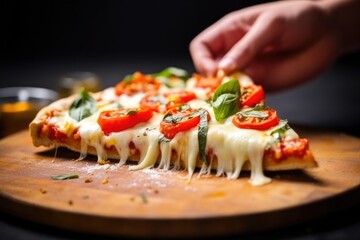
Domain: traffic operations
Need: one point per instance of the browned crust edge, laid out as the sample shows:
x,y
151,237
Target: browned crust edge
x,y
269,163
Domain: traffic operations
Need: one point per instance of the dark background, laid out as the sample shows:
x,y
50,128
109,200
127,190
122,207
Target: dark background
x,y
42,41
106,28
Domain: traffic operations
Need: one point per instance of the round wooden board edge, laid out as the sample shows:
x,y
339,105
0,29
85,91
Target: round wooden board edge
x,y
184,227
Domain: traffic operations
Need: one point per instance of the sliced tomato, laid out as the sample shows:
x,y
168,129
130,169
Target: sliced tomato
x,y
208,83
161,102
252,95
179,120
122,119
258,123
155,101
138,82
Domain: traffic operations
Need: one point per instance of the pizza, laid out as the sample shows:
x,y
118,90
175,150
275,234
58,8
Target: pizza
x,y
171,120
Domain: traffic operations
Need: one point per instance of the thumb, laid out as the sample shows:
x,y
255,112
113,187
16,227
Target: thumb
x,y
266,29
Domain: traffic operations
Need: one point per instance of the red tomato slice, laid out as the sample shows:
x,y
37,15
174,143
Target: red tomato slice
x,y
155,101
122,119
252,95
183,121
137,83
209,83
162,102
256,122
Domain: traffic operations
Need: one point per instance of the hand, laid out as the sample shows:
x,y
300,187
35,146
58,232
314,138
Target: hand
x,y
278,45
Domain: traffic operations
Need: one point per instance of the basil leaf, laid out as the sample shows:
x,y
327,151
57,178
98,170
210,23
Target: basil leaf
x,y
83,106
169,118
202,135
165,77
132,112
128,78
281,131
253,113
259,107
226,99
64,176
172,71
184,107
278,134
225,105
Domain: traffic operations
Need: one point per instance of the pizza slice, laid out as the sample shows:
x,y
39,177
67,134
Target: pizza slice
x,y
170,120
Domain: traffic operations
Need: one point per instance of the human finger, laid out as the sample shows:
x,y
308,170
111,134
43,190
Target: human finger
x,y
266,29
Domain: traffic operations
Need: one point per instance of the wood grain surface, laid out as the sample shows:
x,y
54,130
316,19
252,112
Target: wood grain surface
x,y
113,200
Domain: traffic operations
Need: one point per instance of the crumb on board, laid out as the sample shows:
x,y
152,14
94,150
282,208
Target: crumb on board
x,y
105,180
88,180
43,191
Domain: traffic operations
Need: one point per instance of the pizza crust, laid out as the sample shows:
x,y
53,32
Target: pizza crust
x,y
40,136
269,163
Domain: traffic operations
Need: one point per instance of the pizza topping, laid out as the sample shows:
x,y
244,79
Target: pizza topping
x,y
207,82
153,137
296,147
83,106
172,77
122,119
279,133
161,102
259,118
202,134
226,99
64,176
135,83
180,119
252,95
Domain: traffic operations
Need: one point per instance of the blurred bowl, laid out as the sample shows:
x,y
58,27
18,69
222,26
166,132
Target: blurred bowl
x,y
19,105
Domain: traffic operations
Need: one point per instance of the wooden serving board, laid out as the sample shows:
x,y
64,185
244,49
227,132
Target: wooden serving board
x,y
113,200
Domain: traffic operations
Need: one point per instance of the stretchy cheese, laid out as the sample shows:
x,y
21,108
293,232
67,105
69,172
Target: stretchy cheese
x,y
230,149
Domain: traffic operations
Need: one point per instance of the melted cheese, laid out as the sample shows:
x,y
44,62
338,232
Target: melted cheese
x,y
231,146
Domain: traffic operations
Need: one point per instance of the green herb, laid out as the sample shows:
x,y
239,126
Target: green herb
x,y
176,118
184,107
226,99
172,72
259,107
132,112
162,138
202,128
128,78
144,198
83,106
65,176
255,112
169,118
202,135
165,76
279,133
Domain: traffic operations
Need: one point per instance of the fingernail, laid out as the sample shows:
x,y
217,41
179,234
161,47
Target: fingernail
x,y
227,64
